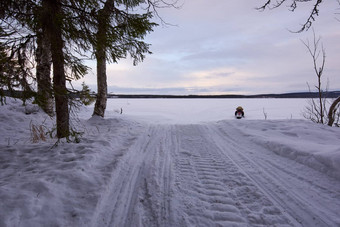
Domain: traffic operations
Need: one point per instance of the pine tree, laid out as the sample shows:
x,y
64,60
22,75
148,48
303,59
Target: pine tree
x,y
119,32
65,26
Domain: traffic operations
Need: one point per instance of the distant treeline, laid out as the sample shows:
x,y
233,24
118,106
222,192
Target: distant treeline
x,y
330,94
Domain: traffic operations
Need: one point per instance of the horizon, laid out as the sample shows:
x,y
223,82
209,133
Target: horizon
x,y
330,94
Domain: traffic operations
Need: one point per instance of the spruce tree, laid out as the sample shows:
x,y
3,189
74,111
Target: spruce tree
x,y
118,33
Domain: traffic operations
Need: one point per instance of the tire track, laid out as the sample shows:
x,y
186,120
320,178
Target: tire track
x,y
201,175
131,198
297,189
214,190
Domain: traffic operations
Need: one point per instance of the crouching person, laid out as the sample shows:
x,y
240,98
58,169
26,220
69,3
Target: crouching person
x,y
239,113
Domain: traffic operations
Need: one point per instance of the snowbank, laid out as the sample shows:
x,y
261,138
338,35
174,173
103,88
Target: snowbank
x,y
46,185
315,145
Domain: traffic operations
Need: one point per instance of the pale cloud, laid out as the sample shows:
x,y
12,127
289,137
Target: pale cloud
x,y
223,46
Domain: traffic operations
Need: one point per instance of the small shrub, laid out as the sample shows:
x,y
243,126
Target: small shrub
x,y
85,95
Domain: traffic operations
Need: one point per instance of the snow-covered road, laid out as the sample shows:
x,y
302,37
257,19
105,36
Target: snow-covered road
x,y
213,175
194,167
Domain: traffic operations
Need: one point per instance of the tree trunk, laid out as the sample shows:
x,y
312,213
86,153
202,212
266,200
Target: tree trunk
x,y
54,32
103,20
320,97
332,111
43,58
101,100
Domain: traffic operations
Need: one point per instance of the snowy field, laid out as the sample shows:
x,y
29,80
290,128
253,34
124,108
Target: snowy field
x,y
172,162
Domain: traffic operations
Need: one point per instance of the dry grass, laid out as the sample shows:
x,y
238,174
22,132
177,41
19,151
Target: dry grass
x,y
37,133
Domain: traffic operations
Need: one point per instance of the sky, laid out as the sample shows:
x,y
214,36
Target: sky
x,y
229,47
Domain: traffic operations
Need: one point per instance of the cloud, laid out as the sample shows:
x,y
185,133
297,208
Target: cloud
x,y
228,46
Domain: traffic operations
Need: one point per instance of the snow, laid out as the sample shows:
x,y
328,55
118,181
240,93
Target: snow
x,y
171,162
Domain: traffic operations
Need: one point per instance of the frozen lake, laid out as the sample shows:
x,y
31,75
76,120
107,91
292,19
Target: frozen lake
x,y
190,111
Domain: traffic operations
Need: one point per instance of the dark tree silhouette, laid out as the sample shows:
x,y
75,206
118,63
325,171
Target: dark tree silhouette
x,y
64,27
120,33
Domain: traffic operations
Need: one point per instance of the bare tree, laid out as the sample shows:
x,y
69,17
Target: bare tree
x,y
311,17
317,111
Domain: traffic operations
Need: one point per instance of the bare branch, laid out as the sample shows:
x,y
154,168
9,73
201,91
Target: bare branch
x,y
154,5
266,5
311,16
